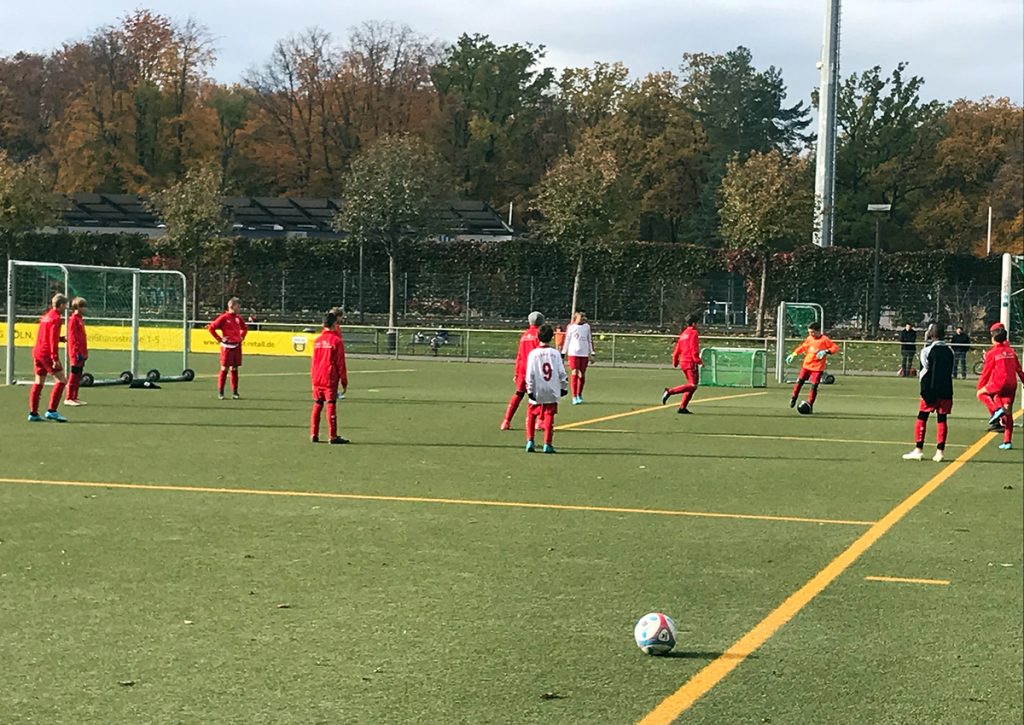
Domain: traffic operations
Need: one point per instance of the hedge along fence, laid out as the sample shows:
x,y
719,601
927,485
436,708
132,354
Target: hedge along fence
x,y
637,281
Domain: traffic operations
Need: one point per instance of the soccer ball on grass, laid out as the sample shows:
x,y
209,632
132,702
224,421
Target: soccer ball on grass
x,y
655,633
804,408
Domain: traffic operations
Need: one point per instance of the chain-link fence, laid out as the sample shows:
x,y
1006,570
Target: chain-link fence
x,y
498,300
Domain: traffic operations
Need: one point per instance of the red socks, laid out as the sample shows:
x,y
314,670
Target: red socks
x,y
55,396
234,381
35,394
221,377
332,418
513,406
314,419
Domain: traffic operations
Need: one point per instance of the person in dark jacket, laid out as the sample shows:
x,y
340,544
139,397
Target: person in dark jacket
x,y
936,392
961,344
908,346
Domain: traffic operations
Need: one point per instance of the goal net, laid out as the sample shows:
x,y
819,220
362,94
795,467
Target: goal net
x,y
734,367
790,329
135,319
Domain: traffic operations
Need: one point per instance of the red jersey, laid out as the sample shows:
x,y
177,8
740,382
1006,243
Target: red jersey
x,y
48,337
76,338
1001,369
328,367
687,350
231,327
528,342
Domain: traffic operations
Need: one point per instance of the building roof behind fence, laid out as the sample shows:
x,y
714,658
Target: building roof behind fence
x,y
261,216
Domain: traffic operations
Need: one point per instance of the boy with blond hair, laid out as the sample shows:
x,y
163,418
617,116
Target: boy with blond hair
x,y
46,361
78,350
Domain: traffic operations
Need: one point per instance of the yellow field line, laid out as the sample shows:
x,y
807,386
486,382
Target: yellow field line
x,y
682,699
639,411
802,439
306,372
903,580
422,499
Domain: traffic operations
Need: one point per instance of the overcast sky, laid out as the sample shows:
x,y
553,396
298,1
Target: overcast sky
x,y
962,48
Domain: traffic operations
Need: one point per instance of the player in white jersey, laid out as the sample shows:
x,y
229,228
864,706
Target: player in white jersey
x,y
546,382
579,348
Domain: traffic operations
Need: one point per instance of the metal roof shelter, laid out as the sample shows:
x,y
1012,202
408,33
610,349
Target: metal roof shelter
x,y
261,216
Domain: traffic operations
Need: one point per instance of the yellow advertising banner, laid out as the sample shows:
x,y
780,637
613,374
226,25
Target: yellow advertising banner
x,y
168,339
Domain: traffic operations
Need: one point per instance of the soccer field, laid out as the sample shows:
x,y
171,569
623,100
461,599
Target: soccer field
x,y
170,558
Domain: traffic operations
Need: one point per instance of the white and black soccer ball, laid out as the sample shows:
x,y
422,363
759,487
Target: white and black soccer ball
x,y
655,633
804,408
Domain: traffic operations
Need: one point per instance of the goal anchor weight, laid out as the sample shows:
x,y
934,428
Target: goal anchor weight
x,y
90,381
187,376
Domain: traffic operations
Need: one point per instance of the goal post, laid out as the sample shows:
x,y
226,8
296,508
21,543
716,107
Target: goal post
x,y
734,367
136,319
792,321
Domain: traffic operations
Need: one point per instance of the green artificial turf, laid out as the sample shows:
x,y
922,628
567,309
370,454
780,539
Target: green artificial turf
x,y
171,606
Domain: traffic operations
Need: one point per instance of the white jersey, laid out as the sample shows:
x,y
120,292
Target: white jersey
x,y
578,342
545,375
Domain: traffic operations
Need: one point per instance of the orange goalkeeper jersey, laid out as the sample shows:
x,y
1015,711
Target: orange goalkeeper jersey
x,y
811,347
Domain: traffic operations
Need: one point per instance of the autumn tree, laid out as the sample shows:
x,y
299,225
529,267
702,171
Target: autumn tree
x,y
978,164
385,81
662,155
766,204
193,213
491,99
885,153
742,110
232,107
575,200
24,118
592,94
292,91
25,201
393,192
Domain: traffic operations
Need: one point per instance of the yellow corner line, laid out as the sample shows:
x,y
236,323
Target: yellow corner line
x,y
904,580
422,499
682,699
577,424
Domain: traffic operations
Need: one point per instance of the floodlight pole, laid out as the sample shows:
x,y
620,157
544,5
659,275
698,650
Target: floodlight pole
x,y
825,156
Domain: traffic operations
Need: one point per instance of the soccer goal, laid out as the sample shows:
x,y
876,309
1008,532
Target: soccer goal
x,y
734,367
1011,293
791,327
136,320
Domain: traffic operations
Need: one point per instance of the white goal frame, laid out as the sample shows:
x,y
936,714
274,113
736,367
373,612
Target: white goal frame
x,y
66,270
780,333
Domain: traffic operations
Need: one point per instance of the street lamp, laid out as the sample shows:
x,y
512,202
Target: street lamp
x,y
875,301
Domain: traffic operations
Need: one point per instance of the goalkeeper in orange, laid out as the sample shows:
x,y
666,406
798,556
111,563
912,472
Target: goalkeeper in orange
x,y
814,349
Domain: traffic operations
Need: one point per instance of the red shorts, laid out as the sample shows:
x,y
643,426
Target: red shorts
x,y
540,409
578,363
814,375
942,407
42,367
231,357
325,395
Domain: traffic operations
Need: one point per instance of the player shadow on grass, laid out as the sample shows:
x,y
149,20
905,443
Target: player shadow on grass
x,y
698,655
